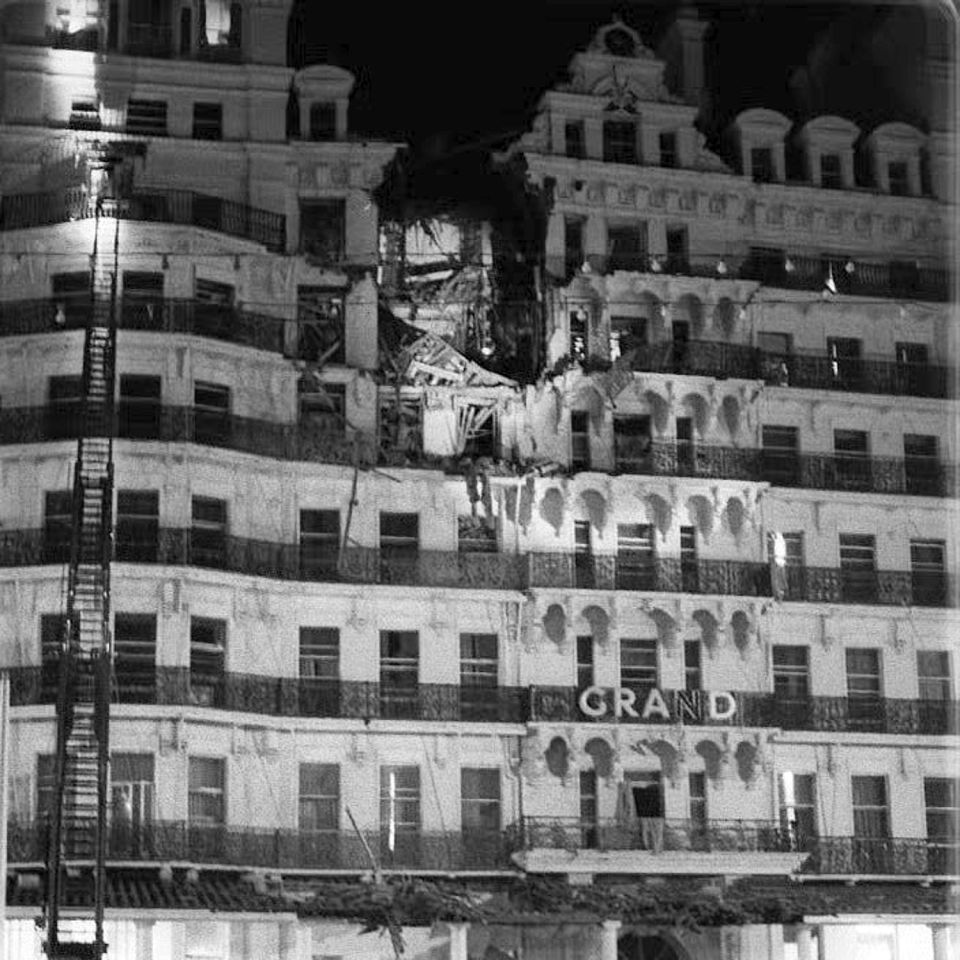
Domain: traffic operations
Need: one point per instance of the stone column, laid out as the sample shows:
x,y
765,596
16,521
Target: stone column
x,y
806,947
458,941
941,942
609,932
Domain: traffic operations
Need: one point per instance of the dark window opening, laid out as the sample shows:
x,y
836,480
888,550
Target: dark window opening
x,y
626,246
138,526
85,115
632,443
627,336
574,140
921,463
211,413
780,456
858,574
689,567
135,657
668,149
323,121
846,366
761,165
619,141
208,121
928,572
142,301
582,555
692,670
585,662
579,440
147,117
322,406
322,229
852,459
208,532
319,543
320,325
791,672
63,414
831,171
636,561
208,645
677,250
399,673
899,177
573,243
57,525
139,410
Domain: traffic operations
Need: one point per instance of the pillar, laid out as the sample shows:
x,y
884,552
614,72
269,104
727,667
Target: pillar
x,y
941,942
609,934
806,946
458,941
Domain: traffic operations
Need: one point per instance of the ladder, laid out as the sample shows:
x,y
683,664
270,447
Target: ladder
x,y
76,875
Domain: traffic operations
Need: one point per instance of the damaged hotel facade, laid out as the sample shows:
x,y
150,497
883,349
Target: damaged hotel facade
x,y
667,614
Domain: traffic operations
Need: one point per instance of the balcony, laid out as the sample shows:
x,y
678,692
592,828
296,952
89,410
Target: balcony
x,y
883,856
815,370
759,709
177,841
866,279
149,40
22,211
874,587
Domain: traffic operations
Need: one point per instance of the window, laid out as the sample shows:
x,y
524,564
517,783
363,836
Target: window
x,y
399,814
322,406
852,459
131,803
478,428
399,673
628,335
863,688
206,798
831,171
899,177
208,643
638,663
46,784
208,121
211,413
858,575
400,429
686,452
135,657
480,801
912,373
319,543
323,121
904,277
52,627
636,568
780,456
692,673
399,544
142,303
668,148
761,164
214,300
63,417
320,324
689,566
208,533
767,264
57,525
845,362
928,572
319,797
589,810
619,141
791,672
585,664
579,440
921,464
479,673
149,32
583,571
626,246
474,536
647,790
85,115
942,801
871,825
574,141
697,787
933,674
572,243
139,409
798,809
631,443
579,338
319,653
322,229
677,250
147,117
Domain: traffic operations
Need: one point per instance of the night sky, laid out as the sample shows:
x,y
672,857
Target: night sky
x,y
433,74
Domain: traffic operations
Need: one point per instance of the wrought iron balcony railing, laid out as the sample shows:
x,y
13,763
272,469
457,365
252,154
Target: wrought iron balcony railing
x,y
182,546
759,709
20,211
919,475
810,369
179,841
656,835
884,856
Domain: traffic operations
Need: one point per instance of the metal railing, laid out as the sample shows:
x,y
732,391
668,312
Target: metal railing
x,y
179,841
183,546
163,205
884,856
370,700
656,834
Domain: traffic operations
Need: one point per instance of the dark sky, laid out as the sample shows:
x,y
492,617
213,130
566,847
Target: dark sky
x,y
462,71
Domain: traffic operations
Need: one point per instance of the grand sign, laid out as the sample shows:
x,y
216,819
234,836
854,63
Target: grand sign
x,y
652,705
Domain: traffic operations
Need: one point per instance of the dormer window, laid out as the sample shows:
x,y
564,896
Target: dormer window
x,y
574,145
323,121
899,178
761,165
668,149
831,174
619,141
